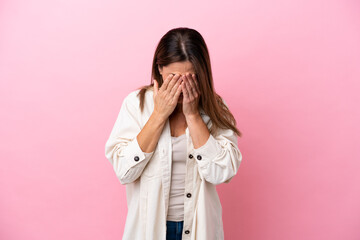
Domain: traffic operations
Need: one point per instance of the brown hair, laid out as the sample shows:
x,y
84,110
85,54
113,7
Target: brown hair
x,y
185,44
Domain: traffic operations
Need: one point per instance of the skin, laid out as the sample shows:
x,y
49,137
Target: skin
x,y
182,111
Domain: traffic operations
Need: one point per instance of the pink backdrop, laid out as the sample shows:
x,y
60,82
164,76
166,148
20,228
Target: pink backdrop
x,y
289,71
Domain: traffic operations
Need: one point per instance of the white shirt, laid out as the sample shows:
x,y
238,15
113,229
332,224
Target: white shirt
x,y
147,175
178,175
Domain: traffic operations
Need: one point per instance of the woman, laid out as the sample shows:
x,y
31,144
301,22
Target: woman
x,y
172,143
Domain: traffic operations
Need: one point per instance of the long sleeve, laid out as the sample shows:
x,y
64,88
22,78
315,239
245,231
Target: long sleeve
x,y
219,158
122,148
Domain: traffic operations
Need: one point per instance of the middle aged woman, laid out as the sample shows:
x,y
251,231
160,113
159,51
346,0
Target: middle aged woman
x,y
172,143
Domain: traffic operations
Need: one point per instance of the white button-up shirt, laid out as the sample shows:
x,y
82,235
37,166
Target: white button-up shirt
x,y
147,176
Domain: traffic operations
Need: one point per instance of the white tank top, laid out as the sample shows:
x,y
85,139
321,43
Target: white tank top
x,y
177,187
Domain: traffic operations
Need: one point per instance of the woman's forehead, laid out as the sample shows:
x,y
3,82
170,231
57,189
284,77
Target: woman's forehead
x,y
180,67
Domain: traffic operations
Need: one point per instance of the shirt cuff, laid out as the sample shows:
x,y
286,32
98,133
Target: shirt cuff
x,y
135,155
206,152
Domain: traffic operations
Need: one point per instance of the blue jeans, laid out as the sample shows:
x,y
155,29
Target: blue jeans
x,y
174,230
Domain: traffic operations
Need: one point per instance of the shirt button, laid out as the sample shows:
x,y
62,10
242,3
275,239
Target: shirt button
x,y
190,156
187,231
198,157
136,158
188,195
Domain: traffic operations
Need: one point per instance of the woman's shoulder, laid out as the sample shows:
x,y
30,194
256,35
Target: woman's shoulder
x,y
134,98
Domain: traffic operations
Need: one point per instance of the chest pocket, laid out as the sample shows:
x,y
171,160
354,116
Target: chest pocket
x,y
153,167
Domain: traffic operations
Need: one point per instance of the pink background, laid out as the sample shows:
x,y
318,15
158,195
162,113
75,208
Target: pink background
x,y
289,71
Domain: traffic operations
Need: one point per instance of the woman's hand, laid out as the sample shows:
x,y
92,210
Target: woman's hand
x,y
191,92
166,98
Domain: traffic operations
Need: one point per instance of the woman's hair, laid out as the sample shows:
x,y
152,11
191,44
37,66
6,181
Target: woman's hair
x,y
185,44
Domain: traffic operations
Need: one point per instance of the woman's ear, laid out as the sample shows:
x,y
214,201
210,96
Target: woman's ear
x,y
160,69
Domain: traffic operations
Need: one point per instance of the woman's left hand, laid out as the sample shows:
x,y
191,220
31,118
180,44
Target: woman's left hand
x,y
191,95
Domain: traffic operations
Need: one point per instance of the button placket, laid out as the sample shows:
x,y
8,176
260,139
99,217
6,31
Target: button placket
x,y
189,175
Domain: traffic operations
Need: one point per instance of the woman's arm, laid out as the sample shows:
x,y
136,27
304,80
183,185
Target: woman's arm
x,y
219,157
129,148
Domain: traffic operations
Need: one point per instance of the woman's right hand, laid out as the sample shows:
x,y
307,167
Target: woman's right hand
x,y
166,98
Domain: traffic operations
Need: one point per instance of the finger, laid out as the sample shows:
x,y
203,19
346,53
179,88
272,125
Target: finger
x,y
175,87
165,83
178,91
172,82
187,85
185,92
156,87
192,85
